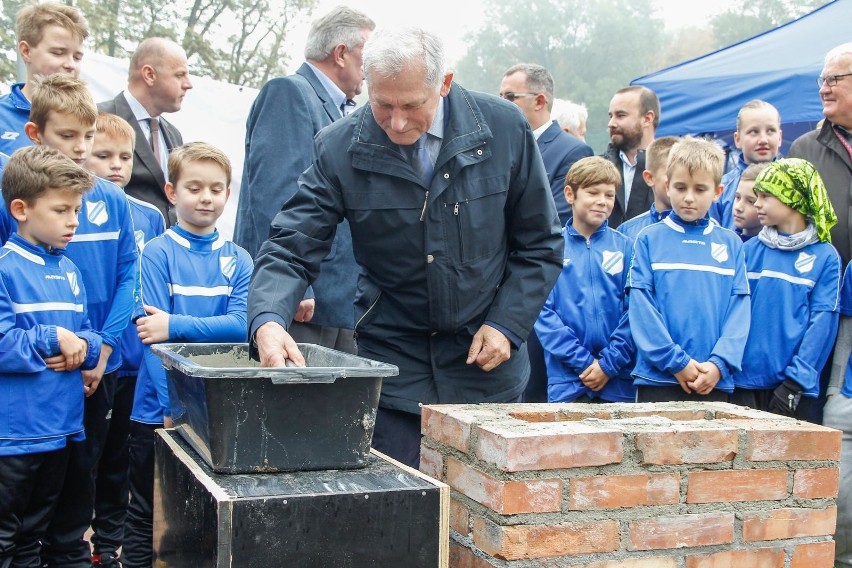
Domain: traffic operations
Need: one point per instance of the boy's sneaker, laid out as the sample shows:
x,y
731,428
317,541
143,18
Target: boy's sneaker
x,y
105,560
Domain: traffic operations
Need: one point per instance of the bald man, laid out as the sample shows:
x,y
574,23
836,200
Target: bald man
x,y
158,80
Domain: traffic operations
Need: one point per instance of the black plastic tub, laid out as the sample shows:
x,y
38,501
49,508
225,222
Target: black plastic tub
x,y
243,418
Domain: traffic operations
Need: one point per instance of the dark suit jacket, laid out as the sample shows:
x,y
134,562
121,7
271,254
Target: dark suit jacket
x,y
560,150
147,179
280,130
641,194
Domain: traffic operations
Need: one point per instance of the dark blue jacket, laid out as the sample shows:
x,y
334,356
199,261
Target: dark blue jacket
x,y
280,130
480,243
641,194
559,151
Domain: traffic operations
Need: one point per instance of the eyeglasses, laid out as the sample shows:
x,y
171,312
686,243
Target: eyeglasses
x,y
510,96
831,80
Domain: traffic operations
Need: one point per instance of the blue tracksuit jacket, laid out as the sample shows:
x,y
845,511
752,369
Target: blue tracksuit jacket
x,y
202,282
40,290
585,317
688,299
794,302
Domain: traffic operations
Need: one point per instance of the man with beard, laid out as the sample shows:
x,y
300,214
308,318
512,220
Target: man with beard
x,y
634,114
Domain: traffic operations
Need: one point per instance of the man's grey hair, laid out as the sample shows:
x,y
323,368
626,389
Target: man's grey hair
x,y
539,79
341,25
391,51
839,52
569,114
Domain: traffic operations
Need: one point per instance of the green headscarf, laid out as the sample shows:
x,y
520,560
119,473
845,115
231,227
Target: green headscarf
x,y
797,184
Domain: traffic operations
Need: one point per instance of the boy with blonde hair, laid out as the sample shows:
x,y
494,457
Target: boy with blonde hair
x,y
112,159
188,257
45,338
689,303
758,137
50,40
63,117
655,176
583,325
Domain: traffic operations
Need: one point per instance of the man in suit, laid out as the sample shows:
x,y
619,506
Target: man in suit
x,y
634,114
158,80
280,130
530,87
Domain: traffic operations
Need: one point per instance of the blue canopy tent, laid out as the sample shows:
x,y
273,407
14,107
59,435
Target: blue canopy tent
x,y
703,95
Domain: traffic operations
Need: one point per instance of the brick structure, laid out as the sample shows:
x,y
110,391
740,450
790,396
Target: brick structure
x,y
674,485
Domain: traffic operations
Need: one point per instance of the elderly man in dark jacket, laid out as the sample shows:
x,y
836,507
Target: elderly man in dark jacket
x,y
453,226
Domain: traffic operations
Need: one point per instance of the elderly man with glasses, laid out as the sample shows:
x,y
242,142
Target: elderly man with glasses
x,y
829,148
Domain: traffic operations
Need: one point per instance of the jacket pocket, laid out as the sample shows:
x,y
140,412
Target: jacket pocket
x,y
478,218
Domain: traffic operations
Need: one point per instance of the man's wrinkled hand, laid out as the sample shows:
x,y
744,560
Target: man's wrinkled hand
x,y
488,349
275,346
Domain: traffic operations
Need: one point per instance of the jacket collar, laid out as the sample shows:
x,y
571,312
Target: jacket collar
x,y
464,128
572,232
332,110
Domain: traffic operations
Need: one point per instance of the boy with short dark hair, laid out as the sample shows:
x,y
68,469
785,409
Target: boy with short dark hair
x,y
689,303
195,288
63,116
758,137
50,40
583,325
45,338
745,213
112,159
794,274
655,176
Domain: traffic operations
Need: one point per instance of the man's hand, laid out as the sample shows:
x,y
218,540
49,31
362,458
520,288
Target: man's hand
x,y
593,377
305,311
687,375
276,346
153,328
488,349
92,377
708,376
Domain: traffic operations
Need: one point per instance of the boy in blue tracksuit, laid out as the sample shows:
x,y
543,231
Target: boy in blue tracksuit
x,y
111,158
195,289
655,176
583,325
794,274
45,338
758,137
50,40
689,303
63,117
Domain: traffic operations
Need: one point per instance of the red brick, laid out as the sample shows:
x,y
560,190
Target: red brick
x,y
644,562
788,523
821,483
687,445
813,555
540,541
798,441
448,426
548,446
432,462
681,531
615,491
461,557
732,485
459,517
754,558
505,497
